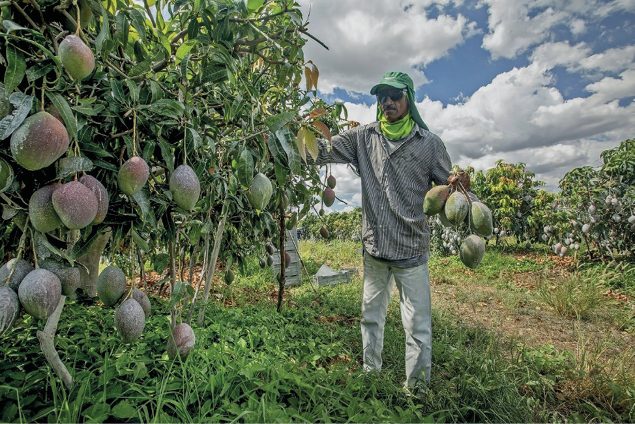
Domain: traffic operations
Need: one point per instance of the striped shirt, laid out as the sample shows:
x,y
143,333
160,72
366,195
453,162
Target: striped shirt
x,y
394,184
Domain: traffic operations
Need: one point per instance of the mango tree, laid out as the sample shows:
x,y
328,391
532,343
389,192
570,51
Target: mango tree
x,y
180,123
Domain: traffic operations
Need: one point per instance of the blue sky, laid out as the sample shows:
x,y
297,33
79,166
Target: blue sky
x,y
550,83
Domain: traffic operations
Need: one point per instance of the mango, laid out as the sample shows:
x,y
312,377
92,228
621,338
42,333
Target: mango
x,y
260,191
472,251
101,194
76,57
75,204
41,211
39,141
40,293
133,175
435,199
185,187
481,219
181,342
456,208
130,320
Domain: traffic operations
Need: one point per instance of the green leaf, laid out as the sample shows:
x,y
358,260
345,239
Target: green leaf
x,y
185,48
104,31
300,142
21,107
140,68
245,168
161,262
36,72
276,150
281,174
166,107
311,143
89,111
124,410
139,241
255,4
177,294
11,26
16,68
166,152
138,21
276,122
142,197
286,138
214,74
73,165
41,238
64,109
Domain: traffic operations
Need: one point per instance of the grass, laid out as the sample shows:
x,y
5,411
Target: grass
x,y
251,364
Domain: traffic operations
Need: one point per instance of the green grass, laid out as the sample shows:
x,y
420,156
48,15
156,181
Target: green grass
x,y
251,364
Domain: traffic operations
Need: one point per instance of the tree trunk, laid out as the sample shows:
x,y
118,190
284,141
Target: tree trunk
x,y
200,281
88,277
282,279
211,266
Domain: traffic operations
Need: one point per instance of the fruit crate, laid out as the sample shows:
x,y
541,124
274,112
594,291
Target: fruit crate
x,y
293,272
328,277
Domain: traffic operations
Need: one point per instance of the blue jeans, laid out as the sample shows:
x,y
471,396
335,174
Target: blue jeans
x,y
414,295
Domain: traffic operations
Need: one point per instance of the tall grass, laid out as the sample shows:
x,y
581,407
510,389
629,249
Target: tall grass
x,y
251,364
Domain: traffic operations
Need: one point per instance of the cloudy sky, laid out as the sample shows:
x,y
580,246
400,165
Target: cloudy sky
x,y
550,83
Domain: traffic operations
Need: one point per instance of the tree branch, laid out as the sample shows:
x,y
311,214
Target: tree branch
x,y
47,345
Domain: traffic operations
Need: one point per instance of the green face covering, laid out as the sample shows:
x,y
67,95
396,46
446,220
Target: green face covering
x,y
400,80
398,129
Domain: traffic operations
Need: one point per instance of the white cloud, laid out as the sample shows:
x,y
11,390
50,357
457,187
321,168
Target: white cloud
x,y
520,117
384,35
517,25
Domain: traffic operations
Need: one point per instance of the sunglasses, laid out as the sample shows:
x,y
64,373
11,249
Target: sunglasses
x,y
394,95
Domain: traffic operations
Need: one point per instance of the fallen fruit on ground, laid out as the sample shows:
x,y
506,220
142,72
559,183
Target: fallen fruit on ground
x,y
130,320
41,211
39,141
76,57
181,342
435,199
101,194
75,204
9,308
111,285
260,191
456,208
39,293
185,187
133,175
22,269
472,251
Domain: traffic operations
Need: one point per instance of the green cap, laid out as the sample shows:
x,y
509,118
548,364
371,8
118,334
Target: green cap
x,y
396,80
400,80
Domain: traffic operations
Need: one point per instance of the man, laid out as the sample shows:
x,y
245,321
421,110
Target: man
x,y
397,158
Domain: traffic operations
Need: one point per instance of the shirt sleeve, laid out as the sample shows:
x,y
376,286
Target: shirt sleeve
x,y
342,150
442,165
